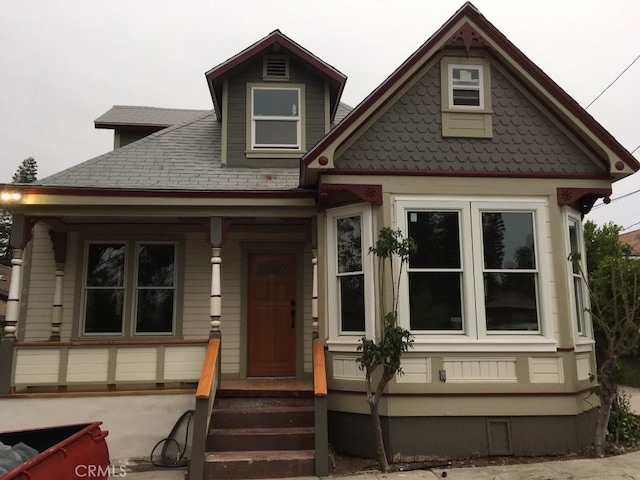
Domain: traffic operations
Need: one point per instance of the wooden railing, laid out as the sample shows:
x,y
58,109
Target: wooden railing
x,y
320,406
94,364
205,396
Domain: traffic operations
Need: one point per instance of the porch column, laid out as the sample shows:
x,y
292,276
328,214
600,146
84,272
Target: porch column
x,y
216,239
59,241
20,235
13,300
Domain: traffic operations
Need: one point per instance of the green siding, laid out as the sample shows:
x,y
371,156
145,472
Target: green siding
x,y
237,112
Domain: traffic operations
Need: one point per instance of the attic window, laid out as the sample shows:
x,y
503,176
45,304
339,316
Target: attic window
x,y
466,86
275,67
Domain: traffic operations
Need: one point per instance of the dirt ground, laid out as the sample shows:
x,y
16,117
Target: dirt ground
x,y
346,465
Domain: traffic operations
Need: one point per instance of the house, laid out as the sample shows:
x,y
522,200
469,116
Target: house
x,y
633,240
251,223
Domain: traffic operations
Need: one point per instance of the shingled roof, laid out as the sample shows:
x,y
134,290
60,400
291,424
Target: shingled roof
x,y
633,240
185,156
129,115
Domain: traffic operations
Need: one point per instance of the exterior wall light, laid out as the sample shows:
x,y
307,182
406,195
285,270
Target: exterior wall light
x,y
10,196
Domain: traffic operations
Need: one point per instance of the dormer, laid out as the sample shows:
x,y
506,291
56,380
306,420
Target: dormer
x,y
275,100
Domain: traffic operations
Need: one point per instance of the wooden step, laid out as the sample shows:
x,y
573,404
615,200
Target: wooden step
x,y
262,417
243,439
259,464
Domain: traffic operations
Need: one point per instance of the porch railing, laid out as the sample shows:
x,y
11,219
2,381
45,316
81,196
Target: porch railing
x,y
96,364
205,397
320,406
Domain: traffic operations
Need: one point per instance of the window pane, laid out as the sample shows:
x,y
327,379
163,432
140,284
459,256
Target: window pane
x,y
437,237
575,245
352,303
155,265
435,301
467,98
349,244
577,292
281,103
105,265
511,301
104,311
155,311
466,77
276,132
508,240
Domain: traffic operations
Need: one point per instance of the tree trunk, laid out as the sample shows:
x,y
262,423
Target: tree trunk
x,y
603,422
381,455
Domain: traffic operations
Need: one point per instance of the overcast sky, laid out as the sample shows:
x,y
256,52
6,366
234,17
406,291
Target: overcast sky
x,y
64,63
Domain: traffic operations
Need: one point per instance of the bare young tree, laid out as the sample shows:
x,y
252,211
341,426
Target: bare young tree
x,y
385,354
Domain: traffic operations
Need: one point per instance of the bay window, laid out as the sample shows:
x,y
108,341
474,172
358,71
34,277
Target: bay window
x,y
478,274
350,294
114,305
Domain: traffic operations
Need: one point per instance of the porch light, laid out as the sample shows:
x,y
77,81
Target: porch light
x,y
7,196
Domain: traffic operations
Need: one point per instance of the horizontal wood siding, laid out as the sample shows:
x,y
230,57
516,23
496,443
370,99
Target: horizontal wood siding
x,y
477,370
87,365
197,287
37,366
41,277
136,364
183,363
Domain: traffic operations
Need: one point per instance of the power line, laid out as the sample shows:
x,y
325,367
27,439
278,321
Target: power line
x,y
609,86
617,198
630,226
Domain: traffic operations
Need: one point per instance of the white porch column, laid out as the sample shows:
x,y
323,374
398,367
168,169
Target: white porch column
x,y
13,301
216,292
314,295
56,312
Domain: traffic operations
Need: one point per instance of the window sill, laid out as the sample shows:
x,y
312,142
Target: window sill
x,y
344,344
274,153
501,345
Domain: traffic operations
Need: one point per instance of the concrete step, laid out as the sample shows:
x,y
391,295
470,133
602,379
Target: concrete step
x,y
259,464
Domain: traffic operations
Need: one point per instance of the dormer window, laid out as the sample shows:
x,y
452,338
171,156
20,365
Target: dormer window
x,y
466,86
275,118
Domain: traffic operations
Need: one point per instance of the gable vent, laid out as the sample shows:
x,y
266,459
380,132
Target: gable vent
x,y
276,67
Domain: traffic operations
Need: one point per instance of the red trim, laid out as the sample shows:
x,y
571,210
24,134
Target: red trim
x,y
582,199
471,13
457,173
126,192
368,193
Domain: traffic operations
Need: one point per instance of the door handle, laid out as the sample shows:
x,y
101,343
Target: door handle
x,y
293,317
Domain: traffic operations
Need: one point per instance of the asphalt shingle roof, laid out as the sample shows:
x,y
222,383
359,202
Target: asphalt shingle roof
x,y
132,115
185,156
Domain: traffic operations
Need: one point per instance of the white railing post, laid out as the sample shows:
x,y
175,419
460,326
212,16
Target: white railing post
x,y
13,301
314,297
216,292
56,312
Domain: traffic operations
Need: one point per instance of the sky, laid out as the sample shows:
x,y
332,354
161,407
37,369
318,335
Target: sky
x,y
64,63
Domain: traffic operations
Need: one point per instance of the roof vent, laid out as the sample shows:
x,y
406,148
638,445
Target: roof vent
x,y
276,67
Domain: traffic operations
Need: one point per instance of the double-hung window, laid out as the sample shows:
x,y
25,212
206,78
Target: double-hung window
x,y
129,289
276,118
465,86
350,295
478,274
577,265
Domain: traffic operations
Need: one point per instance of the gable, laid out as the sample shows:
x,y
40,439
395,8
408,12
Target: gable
x,y
409,137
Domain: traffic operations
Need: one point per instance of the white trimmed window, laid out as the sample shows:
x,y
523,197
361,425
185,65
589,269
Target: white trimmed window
x,y
114,306
465,87
350,295
577,288
478,274
275,118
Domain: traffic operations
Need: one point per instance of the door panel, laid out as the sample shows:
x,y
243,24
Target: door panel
x,y
271,342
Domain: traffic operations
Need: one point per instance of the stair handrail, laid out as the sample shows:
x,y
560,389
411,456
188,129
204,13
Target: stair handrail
x,y
205,396
320,408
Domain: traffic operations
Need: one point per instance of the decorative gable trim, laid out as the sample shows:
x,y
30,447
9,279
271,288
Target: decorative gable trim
x,y
331,194
468,38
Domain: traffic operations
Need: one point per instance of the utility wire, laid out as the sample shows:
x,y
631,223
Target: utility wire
x,y
630,226
611,84
617,198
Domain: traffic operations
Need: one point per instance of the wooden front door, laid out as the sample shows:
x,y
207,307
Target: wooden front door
x,y
271,315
